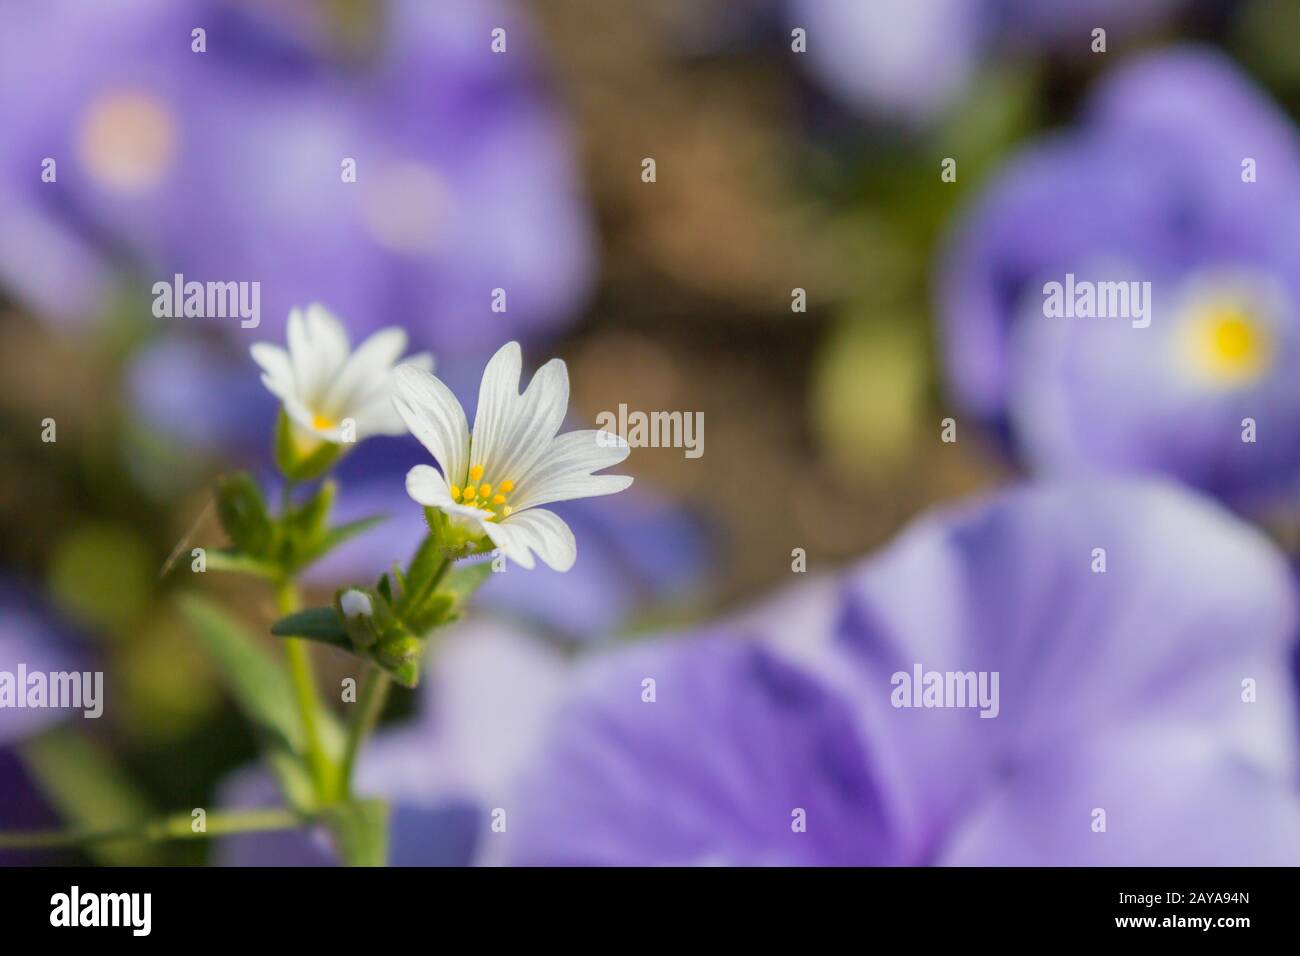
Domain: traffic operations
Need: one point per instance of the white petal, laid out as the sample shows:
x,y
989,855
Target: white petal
x,y
302,357
435,417
318,347
378,417
427,487
536,530
566,470
375,413
539,414
278,372
422,360
328,335
498,401
365,372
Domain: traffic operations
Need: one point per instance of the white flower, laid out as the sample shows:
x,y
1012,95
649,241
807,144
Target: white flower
x,y
324,385
493,481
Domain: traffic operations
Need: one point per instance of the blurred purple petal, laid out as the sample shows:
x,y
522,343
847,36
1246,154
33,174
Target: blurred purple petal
x,y
710,772
32,635
905,58
201,397
227,165
751,725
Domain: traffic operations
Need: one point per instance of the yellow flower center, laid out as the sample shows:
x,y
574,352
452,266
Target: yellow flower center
x,y
323,422
1227,344
484,495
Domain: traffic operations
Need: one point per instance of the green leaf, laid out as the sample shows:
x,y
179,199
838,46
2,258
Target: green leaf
x,y
307,521
315,624
236,562
89,790
399,578
463,580
243,515
448,602
263,691
421,573
435,612
360,831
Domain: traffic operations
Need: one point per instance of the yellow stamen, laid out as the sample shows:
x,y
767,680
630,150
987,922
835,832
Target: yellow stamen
x,y
322,422
484,495
1227,344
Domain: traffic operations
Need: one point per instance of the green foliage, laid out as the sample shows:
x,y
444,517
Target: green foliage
x,y
360,829
264,692
272,548
243,515
88,789
393,634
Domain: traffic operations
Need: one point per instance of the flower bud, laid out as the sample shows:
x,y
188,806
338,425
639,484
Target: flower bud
x,y
357,608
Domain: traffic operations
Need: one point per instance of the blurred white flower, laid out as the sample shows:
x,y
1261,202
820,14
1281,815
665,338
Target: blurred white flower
x,y
493,481
330,392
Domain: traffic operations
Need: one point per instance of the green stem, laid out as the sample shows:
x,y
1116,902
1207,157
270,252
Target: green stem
x,y
304,685
415,600
370,704
178,827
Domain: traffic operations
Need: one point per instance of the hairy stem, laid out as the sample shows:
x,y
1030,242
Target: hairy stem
x,y
304,685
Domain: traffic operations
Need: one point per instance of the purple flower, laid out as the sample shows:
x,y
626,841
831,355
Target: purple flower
x,y
1181,183
233,164
911,59
1124,731
908,58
